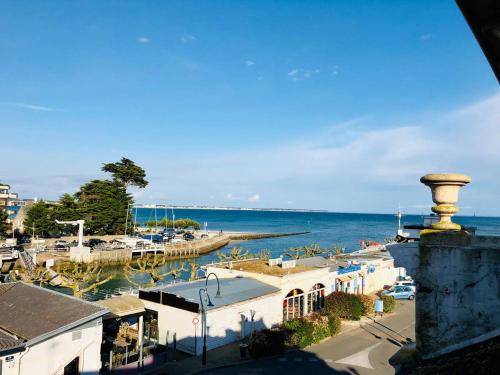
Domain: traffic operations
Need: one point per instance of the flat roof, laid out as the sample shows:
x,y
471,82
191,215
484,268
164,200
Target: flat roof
x,y
122,305
28,311
233,290
261,267
319,262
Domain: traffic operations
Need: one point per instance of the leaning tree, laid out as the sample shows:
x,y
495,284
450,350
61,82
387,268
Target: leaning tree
x,y
151,269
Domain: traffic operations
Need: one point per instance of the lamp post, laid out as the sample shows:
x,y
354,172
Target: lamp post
x,y
208,303
204,306
217,295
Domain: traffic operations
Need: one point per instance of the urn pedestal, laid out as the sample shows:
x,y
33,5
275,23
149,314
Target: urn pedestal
x,y
444,188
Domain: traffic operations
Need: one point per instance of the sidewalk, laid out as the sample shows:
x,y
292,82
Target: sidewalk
x,y
226,355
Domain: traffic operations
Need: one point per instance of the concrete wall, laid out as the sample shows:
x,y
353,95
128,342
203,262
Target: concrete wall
x,y
49,357
385,274
225,324
458,294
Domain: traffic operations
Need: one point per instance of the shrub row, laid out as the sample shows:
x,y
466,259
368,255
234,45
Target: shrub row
x,y
311,329
345,305
317,326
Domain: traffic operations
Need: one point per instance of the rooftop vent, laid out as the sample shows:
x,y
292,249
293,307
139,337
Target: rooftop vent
x,y
274,262
288,264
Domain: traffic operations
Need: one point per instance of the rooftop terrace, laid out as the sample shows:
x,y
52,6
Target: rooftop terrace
x,y
261,267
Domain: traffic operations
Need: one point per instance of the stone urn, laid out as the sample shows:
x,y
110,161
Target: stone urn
x,y
445,187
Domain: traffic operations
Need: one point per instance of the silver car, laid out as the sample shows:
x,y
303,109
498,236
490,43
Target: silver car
x,y
400,292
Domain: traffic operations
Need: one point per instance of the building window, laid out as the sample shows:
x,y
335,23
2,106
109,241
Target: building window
x,y
293,305
316,298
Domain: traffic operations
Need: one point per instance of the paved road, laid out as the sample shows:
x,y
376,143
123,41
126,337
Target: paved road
x,y
364,350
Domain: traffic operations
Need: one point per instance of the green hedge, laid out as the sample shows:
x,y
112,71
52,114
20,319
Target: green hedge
x,y
300,332
334,324
389,303
345,305
311,329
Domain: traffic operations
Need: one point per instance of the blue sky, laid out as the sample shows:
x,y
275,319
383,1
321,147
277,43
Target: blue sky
x,y
317,104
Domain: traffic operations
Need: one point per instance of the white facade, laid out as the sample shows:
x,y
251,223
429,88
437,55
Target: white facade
x,y
224,325
304,281
49,357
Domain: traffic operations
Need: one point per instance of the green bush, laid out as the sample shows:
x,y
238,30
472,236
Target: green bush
x,y
368,305
357,307
345,305
311,329
321,330
334,324
302,334
389,303
266,342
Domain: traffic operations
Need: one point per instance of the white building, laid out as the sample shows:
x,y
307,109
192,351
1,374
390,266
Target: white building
x,y
7,200
357,274
302,287
245,304
45,332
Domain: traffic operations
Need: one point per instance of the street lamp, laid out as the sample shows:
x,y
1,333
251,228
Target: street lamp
x,y
208,303
204,306
217,295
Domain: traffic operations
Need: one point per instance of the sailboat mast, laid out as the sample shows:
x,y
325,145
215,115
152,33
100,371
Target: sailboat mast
x,y
166,218
399,218
173,218
126,219
135,221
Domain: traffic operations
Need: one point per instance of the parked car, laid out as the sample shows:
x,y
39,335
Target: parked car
x,y
409,283
61,244
188,236
400,292
155,238
168,237
24,239
93,242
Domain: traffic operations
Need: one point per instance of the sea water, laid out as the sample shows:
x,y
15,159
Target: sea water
x,y
326,229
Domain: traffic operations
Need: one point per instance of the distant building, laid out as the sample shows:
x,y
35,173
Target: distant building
x,y
7,201
46,332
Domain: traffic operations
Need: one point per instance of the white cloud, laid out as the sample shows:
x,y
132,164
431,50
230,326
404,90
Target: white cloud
x,y
34,107
300,74
249,63
254,198
188,38
143,39
366,164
